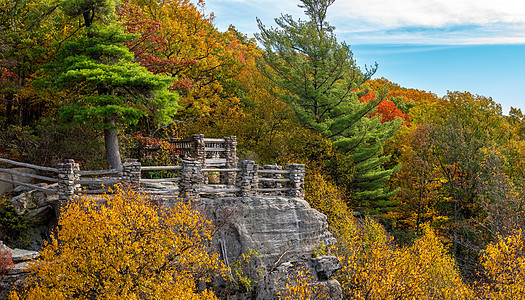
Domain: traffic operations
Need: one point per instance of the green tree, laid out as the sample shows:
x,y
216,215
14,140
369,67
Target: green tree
x,y
26,44
324,85
100,69
517,120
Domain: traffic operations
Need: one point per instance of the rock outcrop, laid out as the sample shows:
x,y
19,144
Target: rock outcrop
x,y
284,231
6,187
38,210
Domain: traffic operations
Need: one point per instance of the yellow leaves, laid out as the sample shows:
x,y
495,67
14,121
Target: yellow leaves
x,y
372,268
504,264
300,285
242,277
324,196
124,246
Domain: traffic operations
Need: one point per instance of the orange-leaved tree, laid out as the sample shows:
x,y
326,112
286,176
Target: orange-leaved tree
x,y
418,179
126,248
178,39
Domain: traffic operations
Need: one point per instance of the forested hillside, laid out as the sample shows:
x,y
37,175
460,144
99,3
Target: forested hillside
x,y
425,194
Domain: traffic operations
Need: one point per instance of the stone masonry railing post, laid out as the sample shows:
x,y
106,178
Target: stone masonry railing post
x,y
230,153
67,176
296,176
191,179
131,173
270,184
247,179
198,149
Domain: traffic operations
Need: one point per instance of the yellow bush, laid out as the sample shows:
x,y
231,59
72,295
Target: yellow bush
x,y
128,248
300,284
324,196
504,263
372,268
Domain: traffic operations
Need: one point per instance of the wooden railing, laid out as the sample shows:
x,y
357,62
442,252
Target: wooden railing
x,y
171,191
99,184
29,175
210,152
193,177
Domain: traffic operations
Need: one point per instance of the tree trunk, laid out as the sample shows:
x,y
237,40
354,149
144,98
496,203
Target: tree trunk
x,y
9,110
112,148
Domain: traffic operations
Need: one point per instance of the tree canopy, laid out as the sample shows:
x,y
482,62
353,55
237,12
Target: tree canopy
x,y
323,85
111,88
146,71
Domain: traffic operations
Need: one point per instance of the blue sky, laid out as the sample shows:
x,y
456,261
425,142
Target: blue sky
x,y
433,45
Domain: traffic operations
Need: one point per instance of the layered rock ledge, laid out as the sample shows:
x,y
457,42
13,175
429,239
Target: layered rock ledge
x,y
284,231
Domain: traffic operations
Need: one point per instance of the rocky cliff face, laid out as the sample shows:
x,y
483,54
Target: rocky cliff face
x,y
284,231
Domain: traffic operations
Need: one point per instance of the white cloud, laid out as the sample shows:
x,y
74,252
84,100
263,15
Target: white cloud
x,y
393,21
392,13
430,21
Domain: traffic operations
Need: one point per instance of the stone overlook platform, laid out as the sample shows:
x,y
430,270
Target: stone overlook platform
x,y
205,166
253,207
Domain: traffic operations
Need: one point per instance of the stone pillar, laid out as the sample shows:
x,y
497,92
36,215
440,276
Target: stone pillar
x,y
271,184
198,149
296,176
198,152
67,176
191,179
131,173
230,153
247,179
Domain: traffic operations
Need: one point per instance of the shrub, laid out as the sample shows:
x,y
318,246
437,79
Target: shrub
x,y
504,263
325,196
373,268
300,284
241,280
6,260
127,248
13,227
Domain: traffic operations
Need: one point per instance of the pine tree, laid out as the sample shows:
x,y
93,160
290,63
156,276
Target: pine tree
x,y
112,89
324,85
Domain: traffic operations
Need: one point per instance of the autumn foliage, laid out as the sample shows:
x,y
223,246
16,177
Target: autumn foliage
x,y
6,260
124,246
373,268
300,284
445,184
386,109
504,264
177,38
